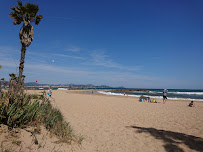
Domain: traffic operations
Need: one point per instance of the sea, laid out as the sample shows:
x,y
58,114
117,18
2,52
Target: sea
x,y
173,94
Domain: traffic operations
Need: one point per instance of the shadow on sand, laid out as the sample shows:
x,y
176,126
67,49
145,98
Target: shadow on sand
x,y
172,139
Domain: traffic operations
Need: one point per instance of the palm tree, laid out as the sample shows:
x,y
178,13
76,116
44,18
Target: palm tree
x,y
25,14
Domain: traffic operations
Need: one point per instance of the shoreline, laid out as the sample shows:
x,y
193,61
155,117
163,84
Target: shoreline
x,y
84,91
174,94
135,96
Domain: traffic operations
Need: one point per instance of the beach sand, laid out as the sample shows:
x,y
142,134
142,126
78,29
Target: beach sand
x,y
123,124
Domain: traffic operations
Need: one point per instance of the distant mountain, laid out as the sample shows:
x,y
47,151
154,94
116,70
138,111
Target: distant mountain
x,y
31,84
121,87
104,86
35,84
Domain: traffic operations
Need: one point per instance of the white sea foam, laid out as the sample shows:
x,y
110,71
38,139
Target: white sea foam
x,y
188,93
62,89
153,97
194,93
110,93
154,92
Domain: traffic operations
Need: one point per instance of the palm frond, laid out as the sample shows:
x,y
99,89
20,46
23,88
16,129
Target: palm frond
x,y
20,3
31,9
27,12
38,19
17,18
12,75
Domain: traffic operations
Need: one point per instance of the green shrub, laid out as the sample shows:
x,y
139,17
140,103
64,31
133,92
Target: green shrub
x,y
23,112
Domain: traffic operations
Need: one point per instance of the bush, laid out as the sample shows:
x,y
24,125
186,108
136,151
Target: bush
x,y
31,110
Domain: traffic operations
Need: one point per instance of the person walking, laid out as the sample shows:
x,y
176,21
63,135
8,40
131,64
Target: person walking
x,y
165,95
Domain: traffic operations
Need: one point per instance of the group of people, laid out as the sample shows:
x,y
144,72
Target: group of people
x,y
165,91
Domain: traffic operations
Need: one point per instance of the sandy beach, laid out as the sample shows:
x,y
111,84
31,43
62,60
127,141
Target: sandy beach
x,y
121,123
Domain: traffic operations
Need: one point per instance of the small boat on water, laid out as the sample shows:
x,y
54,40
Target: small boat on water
x,y
41,88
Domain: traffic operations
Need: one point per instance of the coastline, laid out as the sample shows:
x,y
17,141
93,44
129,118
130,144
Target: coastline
x,y
130,96
173,94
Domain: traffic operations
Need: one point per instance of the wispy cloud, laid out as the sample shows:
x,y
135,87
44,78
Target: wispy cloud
x,y
61,70
8,49
37,65
44,55
68,56
9,52
94,58
61,74
73,49
91,74
52,73
37,54
99,58
8,64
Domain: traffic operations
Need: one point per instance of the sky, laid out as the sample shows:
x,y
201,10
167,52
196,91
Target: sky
x,y
130,43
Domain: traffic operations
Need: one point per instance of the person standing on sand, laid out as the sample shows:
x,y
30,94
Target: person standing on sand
x,y
50,91
165,95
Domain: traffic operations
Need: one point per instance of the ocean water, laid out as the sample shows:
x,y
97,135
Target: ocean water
x,y
173,94
46,88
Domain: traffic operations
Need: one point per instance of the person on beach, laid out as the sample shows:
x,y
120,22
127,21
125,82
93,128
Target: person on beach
x,y
165,95
191,104
50,91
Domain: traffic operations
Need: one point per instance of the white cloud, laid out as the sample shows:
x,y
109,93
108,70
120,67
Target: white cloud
x,y
73,49
8,63
36,67
99,58
60,70
68,56
7,49
56,74
60,74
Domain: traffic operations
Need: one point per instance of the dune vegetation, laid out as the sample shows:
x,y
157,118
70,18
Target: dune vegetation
x,y
34,110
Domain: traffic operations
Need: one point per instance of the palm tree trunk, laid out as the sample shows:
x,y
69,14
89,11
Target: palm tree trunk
x,y
21,66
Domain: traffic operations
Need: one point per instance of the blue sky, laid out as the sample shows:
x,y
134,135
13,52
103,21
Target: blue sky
x,y
131,43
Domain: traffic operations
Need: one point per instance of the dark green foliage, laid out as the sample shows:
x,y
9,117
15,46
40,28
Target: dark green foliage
x,y
32,110
27,12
